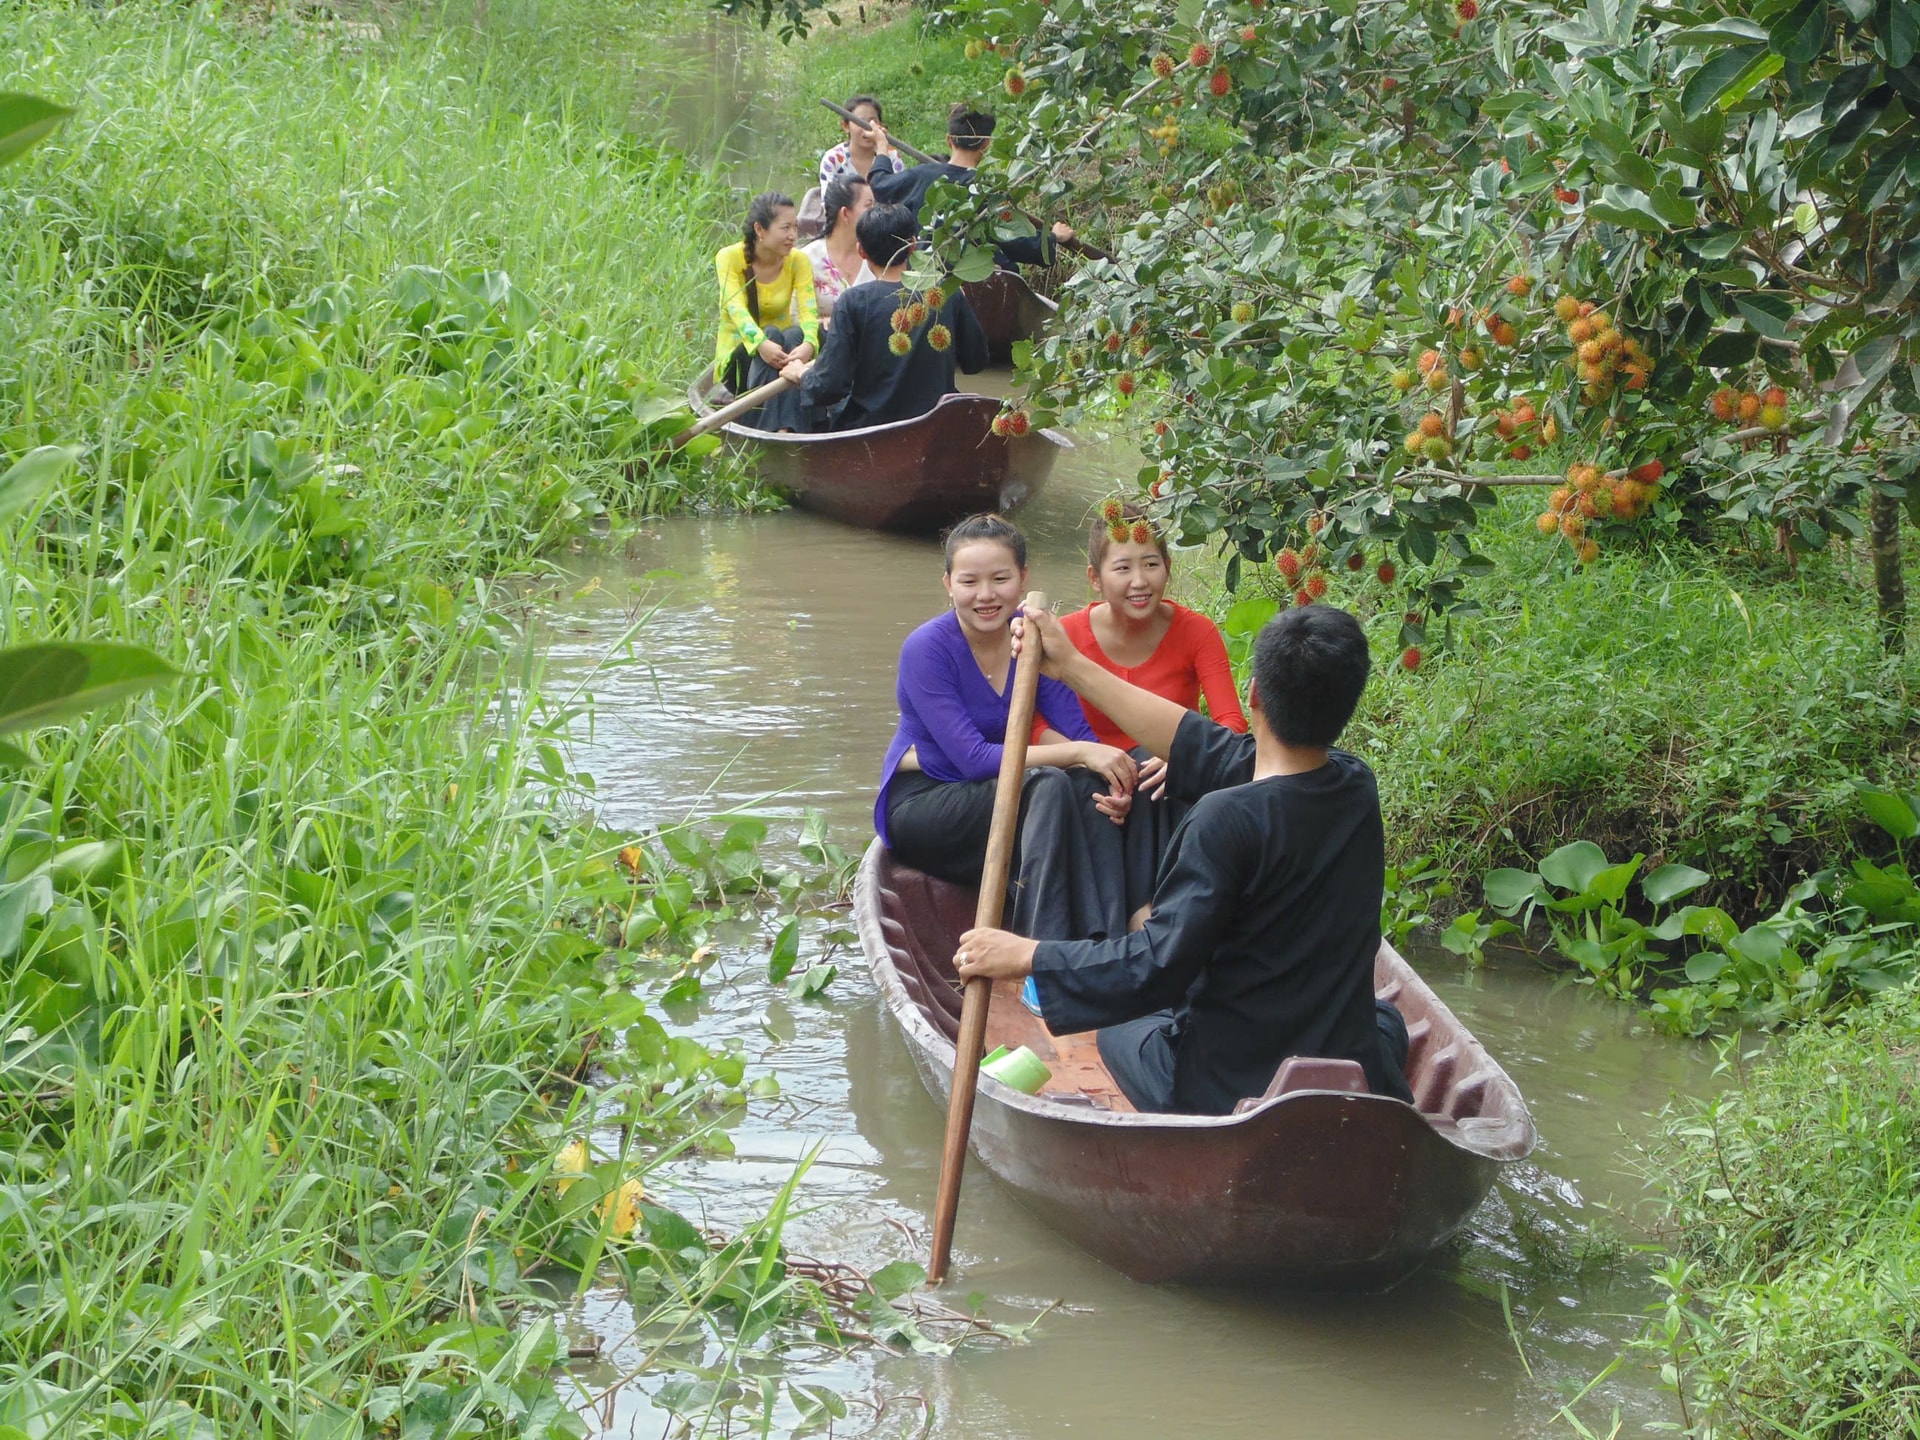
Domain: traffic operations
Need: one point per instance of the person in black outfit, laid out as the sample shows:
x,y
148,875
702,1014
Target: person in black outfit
x,y
1266,910
969,132
858,379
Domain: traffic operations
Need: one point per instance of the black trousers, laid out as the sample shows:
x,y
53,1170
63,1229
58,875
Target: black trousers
x,y
1067,880
1150,827
1139,1054
747,371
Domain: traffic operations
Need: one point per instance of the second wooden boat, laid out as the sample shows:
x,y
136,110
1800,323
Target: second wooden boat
x,y
1309,1185
1009,309
914,476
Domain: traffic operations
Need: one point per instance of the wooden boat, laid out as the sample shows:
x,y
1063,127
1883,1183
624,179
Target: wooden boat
x,y
1309,1186
915,476
1009,310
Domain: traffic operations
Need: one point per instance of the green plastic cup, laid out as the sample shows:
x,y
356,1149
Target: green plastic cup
x,y
1019,1068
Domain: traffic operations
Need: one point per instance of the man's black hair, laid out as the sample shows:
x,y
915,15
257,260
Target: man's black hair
x,y
1310,665
886,234
968,128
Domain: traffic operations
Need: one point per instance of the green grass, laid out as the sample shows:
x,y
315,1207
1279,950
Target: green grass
x,y
280,1097
1687,701
1793,1207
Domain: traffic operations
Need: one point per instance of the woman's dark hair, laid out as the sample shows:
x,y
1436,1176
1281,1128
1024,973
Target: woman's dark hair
x,y
969,128
841,193
886,233
1310,665
994,529
760,214
1139,528
858,100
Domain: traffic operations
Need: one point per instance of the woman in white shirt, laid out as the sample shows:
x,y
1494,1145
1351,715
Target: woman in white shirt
x,y
866,152
835,257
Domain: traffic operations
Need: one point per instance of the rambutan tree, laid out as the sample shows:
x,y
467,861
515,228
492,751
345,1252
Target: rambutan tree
x,y
1372,257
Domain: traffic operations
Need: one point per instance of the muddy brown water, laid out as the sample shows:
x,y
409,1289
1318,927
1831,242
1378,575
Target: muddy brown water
x,y
763,678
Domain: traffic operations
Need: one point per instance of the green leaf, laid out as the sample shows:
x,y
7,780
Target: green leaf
x,y
1670,882
43,684
976,264
1899,31
26,120
890,1282
1703,87
1800,34
1705,966
786,951
32,475
1574,867
1508,890
14,756
1889,811
1769,315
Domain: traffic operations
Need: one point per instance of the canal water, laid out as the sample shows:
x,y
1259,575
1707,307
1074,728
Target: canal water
x,y
762,678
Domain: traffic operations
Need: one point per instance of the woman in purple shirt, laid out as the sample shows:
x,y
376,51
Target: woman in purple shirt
x,y
936,787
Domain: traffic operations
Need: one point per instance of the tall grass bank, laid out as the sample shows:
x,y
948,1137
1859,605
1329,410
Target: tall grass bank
x,y
302,954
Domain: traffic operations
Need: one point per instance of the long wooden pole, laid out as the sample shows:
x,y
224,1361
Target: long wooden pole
x,y
979,992
853,119
1076,244
733,410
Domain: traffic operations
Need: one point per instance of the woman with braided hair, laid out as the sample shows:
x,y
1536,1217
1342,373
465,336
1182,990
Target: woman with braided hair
x,y
768,313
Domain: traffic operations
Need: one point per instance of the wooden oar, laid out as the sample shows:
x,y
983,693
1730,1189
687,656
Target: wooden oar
x,y
752,400
853,119
979,993
1076,244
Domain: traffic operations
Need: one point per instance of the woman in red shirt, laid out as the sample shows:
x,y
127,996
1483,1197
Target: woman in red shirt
x,y
1133,630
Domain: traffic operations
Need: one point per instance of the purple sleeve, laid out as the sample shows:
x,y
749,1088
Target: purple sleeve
x,y
928,688
1063,710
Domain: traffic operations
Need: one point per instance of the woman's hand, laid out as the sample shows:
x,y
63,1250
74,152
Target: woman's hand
x,y
994,955
1153,777
802,352
1115,807
1111,764
774,353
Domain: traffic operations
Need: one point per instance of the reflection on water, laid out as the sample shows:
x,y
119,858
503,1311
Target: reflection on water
x,y
765,678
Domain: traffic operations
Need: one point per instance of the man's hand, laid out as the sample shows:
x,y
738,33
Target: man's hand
x,y
794,371
1062,231
994,955
1056,650
882,142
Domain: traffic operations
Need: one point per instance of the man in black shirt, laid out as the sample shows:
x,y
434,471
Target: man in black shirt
x,y
860,377
969,132
1266,910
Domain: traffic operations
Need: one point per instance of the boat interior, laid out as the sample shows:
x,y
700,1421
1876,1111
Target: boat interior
x,y
1453,1078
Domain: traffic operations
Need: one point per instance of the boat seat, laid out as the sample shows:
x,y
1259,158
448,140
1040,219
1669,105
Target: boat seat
x,y
1309,1072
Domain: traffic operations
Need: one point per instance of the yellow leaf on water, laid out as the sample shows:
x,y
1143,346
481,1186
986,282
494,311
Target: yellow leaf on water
x,y
570,1167
625,1207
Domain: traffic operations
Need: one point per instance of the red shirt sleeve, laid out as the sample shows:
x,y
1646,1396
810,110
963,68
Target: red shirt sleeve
x,y
1208,654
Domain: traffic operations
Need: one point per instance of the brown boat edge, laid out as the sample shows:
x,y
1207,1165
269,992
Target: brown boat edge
x,y
1308,1187
913,476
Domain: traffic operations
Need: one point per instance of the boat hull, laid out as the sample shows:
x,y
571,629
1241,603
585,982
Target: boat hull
x,y
1313,1188
1008,310
914,476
